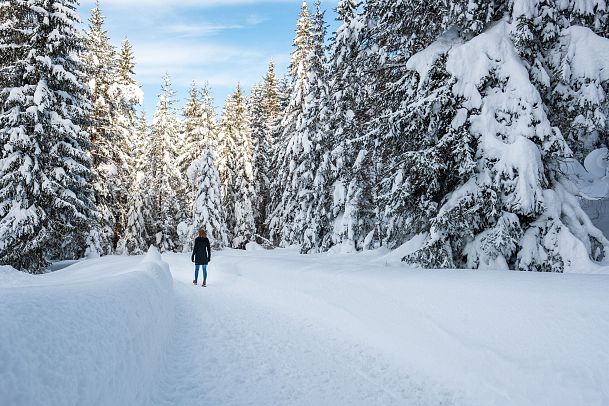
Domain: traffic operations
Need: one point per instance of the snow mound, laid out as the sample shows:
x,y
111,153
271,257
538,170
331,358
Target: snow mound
x,y
253,246
90,334
591,180
394,257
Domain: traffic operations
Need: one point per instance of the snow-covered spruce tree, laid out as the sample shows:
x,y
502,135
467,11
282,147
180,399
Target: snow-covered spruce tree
x,y
354,207
139,223
317,204
46,207
505,208
264,113
419,175
207,208
165,177
396,30
200,128
395,124
238,178
127,96
262,151
286,223
107,155
191,128
200,133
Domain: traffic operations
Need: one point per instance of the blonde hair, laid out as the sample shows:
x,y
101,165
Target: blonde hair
x,y
202,233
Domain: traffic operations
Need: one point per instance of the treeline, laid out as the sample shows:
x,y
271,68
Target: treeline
x,y
445,124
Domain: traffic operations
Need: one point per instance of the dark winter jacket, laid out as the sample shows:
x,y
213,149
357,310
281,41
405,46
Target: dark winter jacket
x,y
201,253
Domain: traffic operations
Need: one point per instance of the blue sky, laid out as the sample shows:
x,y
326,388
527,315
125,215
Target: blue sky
x,y
219,41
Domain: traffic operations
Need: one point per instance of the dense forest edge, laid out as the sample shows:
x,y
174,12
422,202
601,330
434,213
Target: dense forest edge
x,y
471,130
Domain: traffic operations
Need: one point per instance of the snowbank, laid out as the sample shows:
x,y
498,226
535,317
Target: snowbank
x,y
90,334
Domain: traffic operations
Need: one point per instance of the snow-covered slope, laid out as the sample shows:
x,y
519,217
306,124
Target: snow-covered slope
x,y
275,327
91,334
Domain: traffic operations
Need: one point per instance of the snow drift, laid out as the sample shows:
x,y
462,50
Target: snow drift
x,y
91,334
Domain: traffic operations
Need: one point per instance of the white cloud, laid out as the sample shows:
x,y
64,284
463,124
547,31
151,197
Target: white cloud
x,y
255,19
180,53
219,64
205,28
196,30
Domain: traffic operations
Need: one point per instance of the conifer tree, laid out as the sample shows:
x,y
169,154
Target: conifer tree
x,y
47,205
353,209
264,112
106,155
127,96
260,157
238,179
293,158
200,127
200,134
191,148
166,180
317,203
207,208
139,223
191,128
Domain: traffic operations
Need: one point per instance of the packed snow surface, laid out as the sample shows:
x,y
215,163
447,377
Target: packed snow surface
x,y
279,328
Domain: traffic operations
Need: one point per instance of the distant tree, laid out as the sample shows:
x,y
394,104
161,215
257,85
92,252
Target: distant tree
x,y
127,96
107,153
316,202
207,208
139,222
264,112
200,129
166,179
238,178
293,157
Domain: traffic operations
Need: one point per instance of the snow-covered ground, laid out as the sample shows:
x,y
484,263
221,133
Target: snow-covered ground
x,y
278,328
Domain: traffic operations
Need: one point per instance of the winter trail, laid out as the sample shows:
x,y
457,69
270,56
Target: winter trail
x,y
233,345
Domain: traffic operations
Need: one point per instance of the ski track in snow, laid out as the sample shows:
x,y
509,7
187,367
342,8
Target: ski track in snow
x,y
228,349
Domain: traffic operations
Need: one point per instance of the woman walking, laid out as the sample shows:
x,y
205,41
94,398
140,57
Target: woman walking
x,y
201,255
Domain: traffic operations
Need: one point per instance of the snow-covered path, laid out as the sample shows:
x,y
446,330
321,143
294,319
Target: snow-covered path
x,y
232,347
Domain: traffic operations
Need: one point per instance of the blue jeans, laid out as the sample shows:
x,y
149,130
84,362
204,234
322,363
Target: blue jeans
x,y
197,272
